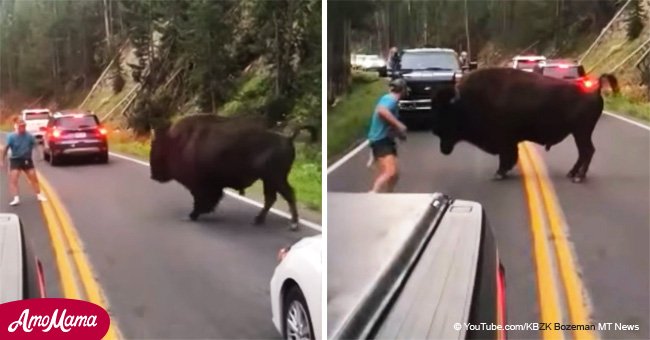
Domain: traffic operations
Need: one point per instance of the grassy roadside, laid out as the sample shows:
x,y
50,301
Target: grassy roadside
x,y
305,176
348,120
630,107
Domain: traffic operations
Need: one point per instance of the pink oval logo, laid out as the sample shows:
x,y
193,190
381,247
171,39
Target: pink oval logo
x,y
53,318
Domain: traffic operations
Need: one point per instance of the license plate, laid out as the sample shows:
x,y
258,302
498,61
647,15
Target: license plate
x,y
80,135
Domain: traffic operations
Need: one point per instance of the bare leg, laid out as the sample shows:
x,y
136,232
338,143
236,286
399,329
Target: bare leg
x,y
13,182
33,180
387,172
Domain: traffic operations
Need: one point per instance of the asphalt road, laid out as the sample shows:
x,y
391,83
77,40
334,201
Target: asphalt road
x,y
164,276
608,215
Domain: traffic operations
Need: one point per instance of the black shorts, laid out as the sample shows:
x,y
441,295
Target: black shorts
x,y
383,147
21,164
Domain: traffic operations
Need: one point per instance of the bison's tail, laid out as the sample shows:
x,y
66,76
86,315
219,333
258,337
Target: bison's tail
x,y
312,131
611,80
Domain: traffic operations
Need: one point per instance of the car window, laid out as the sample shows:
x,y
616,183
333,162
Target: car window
x,y
571,72
36,115
433,60
77,122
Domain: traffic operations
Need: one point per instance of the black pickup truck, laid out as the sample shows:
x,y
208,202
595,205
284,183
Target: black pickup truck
x,y
412,266
425,70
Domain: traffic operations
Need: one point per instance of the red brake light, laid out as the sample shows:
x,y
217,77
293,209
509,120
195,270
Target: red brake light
x,y
283,253
103,131
56,133
501,301
588,83
41,279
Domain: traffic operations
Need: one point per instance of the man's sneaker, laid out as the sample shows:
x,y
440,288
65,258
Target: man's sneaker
x,y
41,197
16,201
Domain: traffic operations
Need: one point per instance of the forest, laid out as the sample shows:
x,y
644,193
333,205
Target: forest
x,y
554,27
54,48
232,58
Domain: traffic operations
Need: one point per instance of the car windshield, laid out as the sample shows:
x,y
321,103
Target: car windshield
x,y
80,122
562,72
37,115
430,61
527,64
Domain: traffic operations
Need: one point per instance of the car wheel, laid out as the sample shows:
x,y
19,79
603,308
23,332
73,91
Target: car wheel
x,y
46,156
297,321
103,158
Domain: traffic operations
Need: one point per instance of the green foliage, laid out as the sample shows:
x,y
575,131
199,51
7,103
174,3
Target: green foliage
x,y
348,121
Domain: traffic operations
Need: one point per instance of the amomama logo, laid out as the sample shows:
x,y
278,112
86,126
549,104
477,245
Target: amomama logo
x,y
52,318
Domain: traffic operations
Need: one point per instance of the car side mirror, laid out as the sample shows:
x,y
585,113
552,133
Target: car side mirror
x,y
473,65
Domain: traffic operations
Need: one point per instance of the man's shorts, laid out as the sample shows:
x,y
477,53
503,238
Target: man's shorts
x,y
383,147
21,164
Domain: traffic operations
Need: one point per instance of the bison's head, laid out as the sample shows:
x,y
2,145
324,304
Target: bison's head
x,y
160,147
446,124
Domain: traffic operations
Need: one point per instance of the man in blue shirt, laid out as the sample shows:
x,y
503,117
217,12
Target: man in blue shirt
x,y
384,127
21,143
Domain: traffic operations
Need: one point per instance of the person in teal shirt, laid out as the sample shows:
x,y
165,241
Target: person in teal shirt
x,y
384,127
21,143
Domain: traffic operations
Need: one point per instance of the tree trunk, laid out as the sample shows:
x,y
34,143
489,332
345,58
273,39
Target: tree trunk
x,y
469,51
107,27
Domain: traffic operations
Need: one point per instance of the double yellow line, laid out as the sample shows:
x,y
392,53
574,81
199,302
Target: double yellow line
x,y
77,278
554,260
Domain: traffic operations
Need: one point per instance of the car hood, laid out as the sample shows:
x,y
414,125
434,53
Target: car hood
x,y
371,238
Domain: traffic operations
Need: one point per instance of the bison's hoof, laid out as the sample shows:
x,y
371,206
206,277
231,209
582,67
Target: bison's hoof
x,y
194,216
259,220
499,176
294,226
571,174
577,179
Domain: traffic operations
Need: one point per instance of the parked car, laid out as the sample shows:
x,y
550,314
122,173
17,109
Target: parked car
x,y
296,293
36,121
568,70
374,63
528,62
411,266
75,134
21,276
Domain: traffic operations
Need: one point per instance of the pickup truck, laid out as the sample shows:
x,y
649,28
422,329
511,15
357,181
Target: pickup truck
x,y
412,266
36,121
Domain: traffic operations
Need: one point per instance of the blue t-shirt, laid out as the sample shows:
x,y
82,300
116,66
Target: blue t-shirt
x,y
21,145
379,128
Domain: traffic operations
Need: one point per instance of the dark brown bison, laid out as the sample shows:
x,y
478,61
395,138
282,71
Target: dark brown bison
x,y
206,154
496,108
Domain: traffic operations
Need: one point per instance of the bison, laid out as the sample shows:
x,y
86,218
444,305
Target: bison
x,y
496,108
207,153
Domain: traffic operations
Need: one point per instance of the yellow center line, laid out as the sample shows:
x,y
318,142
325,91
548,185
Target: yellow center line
x,y
574,288
546,287
57,216
69,285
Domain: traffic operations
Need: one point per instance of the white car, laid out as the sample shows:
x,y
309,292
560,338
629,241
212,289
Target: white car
x,y
36,121
528,63
296,297
21,272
